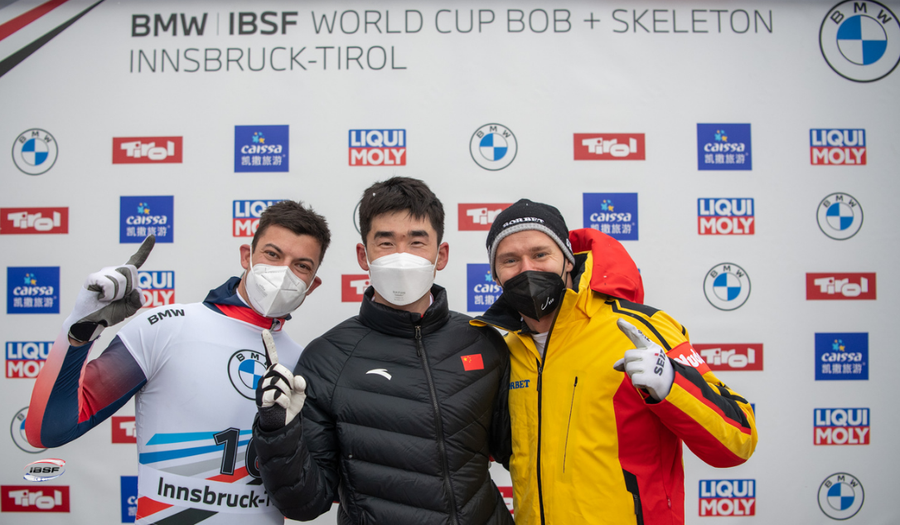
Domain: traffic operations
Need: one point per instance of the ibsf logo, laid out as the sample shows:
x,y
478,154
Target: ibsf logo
x,y
34,151
837,147
33,220
129,494
24,360
727,286
609,146
840,216
615,214
245,369
717,216
246,216
493,147
17,432
728,497
45,469
33,290
840,286
146,150
124,429
483,291
732,357
25,498
353,287
841,496
841,426
378,147
724,147
860,41
479,217
261,148
157,288
842,356
143,216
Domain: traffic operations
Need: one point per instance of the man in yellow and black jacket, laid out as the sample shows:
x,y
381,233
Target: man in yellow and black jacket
x,y
603,389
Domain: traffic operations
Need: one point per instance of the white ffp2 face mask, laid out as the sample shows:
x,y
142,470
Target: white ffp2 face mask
x,y
402,278
274,291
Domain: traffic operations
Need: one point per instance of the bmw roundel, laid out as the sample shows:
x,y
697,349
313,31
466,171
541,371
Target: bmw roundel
x,y
727,286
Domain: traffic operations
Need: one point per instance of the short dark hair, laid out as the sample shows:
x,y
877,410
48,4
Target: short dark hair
x,y
400,194
296,218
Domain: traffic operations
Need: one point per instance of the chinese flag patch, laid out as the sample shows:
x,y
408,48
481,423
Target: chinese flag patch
x,y
472,362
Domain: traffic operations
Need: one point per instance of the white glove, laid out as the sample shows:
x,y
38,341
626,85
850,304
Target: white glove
x,y
108,297
647,364
279,394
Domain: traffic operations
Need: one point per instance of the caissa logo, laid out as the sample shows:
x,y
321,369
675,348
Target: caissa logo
x,y
727,286
840,216
34,151
860,41
493,147
841,496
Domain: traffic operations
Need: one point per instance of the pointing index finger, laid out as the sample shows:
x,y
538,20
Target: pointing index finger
x,y
137,260
630,331
269,345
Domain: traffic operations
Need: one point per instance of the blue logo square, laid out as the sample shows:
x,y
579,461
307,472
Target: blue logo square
x,y
842,356
32,290
724,147
129,495
142,216
615,214
483,291
261,148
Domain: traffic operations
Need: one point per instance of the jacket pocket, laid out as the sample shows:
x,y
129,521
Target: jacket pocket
x,y
631,485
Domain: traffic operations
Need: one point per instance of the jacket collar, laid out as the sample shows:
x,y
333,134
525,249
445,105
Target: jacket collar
x,y
401,323
226,301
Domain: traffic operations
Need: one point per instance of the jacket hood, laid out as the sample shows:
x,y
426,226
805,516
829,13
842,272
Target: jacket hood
x,y
226,301
614,272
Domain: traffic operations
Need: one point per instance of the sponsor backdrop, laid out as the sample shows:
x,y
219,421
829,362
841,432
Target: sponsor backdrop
x,y
745,153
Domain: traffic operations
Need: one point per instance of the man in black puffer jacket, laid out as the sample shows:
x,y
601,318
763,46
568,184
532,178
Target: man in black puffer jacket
x,y
401,407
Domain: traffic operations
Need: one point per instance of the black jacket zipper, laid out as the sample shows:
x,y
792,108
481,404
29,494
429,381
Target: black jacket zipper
x,y
420,350
569,424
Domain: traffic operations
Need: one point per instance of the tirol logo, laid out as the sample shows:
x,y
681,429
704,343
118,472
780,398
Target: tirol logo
x,y
34,151
615,214
609,146
245,369
261,148
841,426
33,290
507,493
727,286
378,147
24,360
129,495
841,496
28,498
860,40
840,216
124,429
17,432
837,147
146,150
728,497
33,220
724,147
717,216
483,291
493,147
353,287
45,469
840,286
479,217
157,288
732,356
842,356
246,214
143,216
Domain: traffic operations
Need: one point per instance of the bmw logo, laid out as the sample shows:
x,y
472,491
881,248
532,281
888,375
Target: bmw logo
x,y
245,369
860,40
841,496
840,216
34,151
493,147
17,431
727,286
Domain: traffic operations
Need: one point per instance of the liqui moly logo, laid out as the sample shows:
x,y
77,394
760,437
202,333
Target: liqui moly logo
x,y
377,147
123,429
727,497
353,287
609,146
157,288
479,217
24,360
246,214
841,426
33,220
718,216
840,286
732,356
146,150
27,498
837,147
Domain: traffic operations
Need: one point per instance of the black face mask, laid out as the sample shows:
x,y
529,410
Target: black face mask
x,y
534,294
